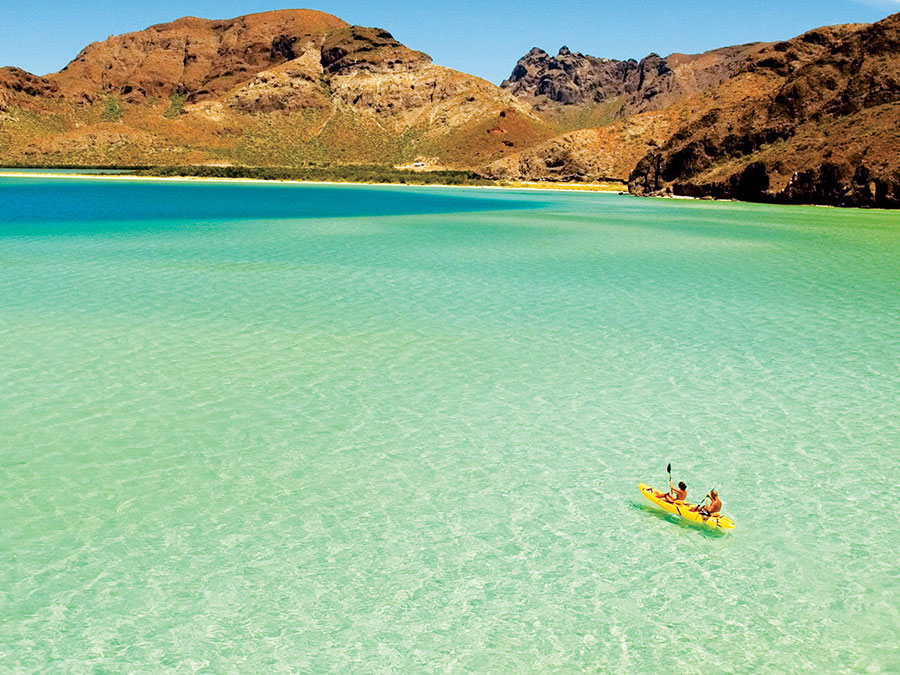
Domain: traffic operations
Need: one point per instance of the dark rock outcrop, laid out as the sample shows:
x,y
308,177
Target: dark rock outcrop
x,y
571,78
843,185
20,87
20,81
369,49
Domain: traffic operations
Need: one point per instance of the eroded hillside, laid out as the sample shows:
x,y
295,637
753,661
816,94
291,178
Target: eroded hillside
x,y
815,119
278,88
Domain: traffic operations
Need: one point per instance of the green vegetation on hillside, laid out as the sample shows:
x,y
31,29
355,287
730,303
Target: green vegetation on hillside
x,y
176,105
112,111
12,166
337,173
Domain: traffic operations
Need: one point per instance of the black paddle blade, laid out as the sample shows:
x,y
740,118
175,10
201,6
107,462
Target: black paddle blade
x,y
669,467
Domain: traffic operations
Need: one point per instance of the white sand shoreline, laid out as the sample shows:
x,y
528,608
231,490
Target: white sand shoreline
x,y
531,186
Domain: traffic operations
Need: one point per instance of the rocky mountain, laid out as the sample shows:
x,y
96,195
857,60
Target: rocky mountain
x,y
630,107
812,119
277,88
827,130
627,87
612,150
815,119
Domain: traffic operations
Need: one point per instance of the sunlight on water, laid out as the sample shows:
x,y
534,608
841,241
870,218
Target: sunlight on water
x,y
252,428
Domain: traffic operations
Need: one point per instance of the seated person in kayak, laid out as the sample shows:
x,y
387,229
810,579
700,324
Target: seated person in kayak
x,y
674,494
711,505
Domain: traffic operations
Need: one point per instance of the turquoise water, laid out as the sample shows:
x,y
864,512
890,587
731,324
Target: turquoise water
x,y
267,428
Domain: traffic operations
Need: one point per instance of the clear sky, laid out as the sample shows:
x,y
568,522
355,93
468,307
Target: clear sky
x,y
476,36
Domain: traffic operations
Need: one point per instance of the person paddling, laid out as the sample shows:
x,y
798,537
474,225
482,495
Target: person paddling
x,y
711,506
674,494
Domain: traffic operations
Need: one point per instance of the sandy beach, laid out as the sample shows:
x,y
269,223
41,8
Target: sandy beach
x,y
575,187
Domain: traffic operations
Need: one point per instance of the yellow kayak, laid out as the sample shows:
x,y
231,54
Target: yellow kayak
x,y
683,509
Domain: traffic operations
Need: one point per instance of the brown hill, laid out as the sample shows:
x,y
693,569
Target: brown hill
x,y
611,151
608,153
629,107
827,133
278,88
198,58
813,119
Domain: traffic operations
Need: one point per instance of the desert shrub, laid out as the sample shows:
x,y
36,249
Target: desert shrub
x,y
112,111
345,173
176,105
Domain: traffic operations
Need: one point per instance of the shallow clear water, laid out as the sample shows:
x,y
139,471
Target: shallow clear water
x,y
300,428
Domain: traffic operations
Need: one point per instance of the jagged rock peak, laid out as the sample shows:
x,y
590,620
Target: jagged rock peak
x,y
572,78
569,78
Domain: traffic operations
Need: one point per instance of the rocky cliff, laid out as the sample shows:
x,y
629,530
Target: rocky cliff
x,y
574,79
568,78
814,119
826,132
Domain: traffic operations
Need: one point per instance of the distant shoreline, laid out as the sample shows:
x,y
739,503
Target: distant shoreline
x,y
511,185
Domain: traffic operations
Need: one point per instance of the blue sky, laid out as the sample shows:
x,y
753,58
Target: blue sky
x,y
477,36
